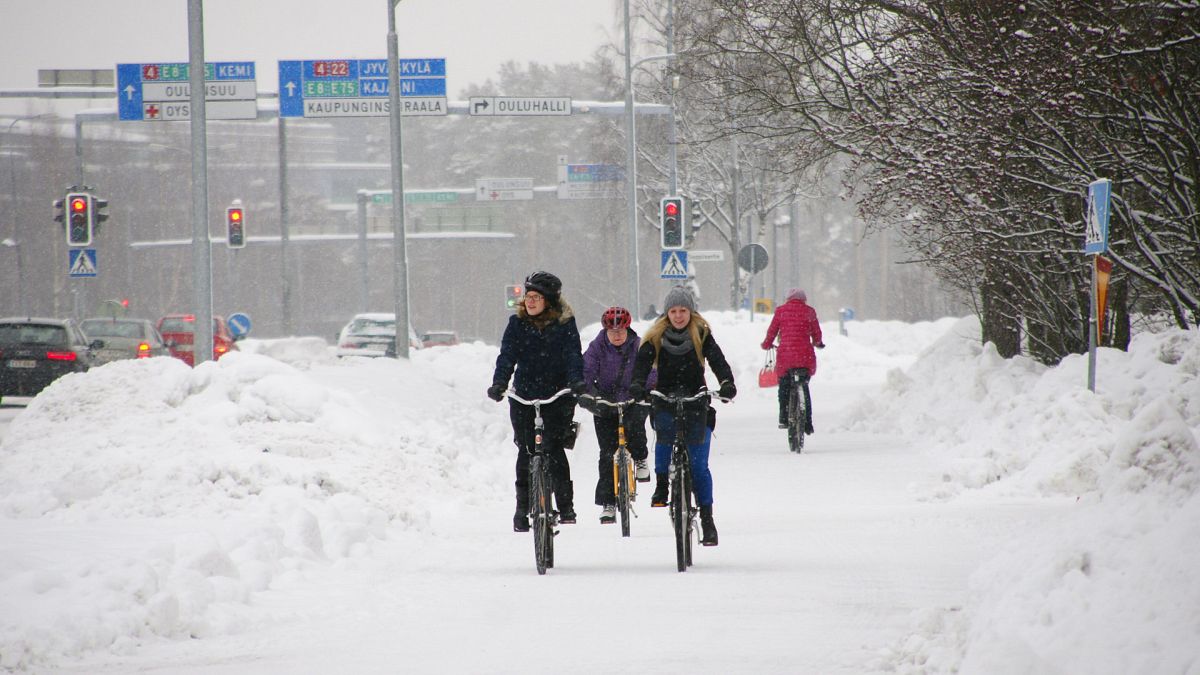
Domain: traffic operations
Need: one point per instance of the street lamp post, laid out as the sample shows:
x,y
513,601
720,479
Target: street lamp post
x,y
15,242
631,156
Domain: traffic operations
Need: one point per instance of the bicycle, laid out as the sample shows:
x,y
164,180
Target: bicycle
x,y
543,518
682,510
799,408
624,482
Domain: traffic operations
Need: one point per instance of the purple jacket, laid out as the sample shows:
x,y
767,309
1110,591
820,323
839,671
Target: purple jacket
x,y
608,369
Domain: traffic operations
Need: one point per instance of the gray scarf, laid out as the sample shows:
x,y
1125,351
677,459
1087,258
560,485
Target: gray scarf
x,y
677,342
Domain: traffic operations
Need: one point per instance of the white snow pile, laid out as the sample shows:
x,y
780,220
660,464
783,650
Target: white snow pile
x,y
1111,589
294,468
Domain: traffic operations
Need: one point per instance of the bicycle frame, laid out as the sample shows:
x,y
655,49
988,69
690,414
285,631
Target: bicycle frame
x,y
544,518
624,483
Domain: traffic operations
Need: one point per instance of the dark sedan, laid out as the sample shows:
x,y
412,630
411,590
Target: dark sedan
x,y
34,352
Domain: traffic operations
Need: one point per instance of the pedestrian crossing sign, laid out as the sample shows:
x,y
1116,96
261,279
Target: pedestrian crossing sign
x,y
674,264
81,262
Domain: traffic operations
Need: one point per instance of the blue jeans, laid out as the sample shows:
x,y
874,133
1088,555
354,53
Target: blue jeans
x,y
664,428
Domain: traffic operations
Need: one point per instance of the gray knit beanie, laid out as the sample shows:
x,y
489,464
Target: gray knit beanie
x,y
679,297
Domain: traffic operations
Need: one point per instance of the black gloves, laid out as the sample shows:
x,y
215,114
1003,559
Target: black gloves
x,y
637,392
727,390
578,388
820,345
588,403
496,392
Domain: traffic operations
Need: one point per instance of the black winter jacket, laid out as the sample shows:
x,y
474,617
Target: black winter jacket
x,y
545,359
682,373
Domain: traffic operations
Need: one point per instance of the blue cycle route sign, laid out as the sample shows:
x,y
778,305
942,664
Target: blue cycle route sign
x,y
161,92
359,88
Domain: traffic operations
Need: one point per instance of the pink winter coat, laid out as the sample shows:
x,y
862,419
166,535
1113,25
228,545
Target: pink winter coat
x,y
796,325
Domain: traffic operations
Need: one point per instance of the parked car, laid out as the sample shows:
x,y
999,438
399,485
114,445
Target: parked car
x,y
439,338
35,352
178,332
124,338
372,334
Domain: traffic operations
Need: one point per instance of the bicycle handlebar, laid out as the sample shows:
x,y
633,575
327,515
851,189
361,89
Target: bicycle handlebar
x,y
612,404
537,401
688,399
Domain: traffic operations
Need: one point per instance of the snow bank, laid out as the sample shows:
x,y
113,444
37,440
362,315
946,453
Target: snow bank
x,y
1113,588
229,479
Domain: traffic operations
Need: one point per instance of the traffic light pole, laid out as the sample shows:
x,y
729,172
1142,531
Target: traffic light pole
x,y
399,251
201,247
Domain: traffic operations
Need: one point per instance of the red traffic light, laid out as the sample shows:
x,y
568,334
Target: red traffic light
x,y
78,205
671,208
235,215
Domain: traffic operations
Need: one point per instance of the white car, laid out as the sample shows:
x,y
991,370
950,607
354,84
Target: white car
x,y
372,334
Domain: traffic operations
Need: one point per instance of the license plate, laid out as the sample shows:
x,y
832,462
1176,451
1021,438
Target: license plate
x,y
183,348
22,363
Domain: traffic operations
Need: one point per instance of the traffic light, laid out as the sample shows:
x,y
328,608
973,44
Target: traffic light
x,y
60,215
79,219
671,219
513,295
98,214
235,219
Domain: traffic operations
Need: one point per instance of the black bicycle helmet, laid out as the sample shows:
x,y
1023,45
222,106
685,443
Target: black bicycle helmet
x,y
545,283
616,318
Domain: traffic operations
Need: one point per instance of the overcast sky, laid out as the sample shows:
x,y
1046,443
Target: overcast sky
x,y
474,36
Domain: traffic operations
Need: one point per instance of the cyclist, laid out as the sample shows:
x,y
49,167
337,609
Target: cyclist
x,y
607,370
799,331
679,343
541,342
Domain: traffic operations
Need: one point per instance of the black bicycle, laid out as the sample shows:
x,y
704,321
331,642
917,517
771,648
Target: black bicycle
x,y
799,408
624,483
682,508
543,517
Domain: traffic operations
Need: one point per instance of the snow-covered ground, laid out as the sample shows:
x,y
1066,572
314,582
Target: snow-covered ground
x,y
282,510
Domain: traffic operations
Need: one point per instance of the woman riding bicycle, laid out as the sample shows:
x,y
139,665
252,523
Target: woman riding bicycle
x,y
799,331
679,343
607,371
541,343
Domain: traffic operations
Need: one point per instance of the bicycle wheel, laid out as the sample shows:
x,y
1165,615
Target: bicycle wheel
x,y
796,412
623,489
679,513
691,514
543,528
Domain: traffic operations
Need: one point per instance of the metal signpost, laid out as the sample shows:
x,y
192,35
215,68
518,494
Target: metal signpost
x,y
161,92
359,88
1095,244
753,259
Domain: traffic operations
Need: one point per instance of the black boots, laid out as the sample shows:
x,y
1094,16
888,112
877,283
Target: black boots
x,y
564,497
520,521
659,498
708,530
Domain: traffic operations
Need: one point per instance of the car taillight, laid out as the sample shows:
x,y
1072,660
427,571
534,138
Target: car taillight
x,y
220,349
61,356
143,350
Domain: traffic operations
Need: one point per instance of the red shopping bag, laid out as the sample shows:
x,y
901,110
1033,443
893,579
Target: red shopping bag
x,y
766,376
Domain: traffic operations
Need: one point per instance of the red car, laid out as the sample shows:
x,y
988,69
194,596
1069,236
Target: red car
x,y
178,332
